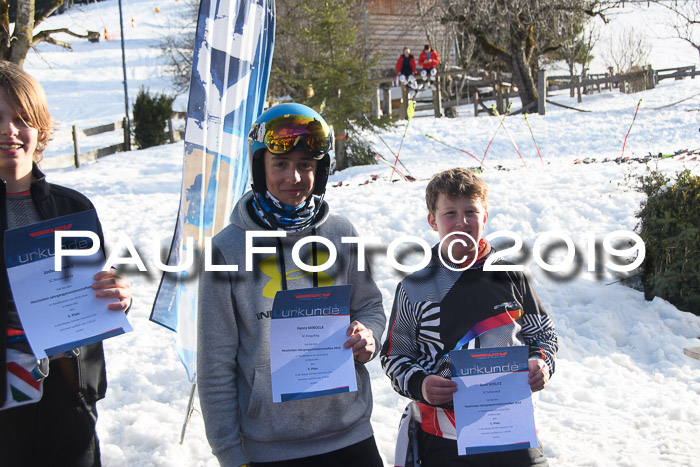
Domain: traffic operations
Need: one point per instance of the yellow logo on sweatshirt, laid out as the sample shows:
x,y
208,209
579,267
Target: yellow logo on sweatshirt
x,y
268,266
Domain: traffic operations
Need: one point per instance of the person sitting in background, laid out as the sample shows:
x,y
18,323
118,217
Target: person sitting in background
x,y
428,61
406,71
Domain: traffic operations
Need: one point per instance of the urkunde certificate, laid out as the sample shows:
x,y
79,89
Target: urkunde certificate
x,y
493,402
58,309
307,333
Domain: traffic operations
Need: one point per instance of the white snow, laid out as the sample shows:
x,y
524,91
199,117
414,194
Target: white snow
x,y
623,394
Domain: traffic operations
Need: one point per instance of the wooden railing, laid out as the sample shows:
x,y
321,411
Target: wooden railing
x,y
78,158
501,90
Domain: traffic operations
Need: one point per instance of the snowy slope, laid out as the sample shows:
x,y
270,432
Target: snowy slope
x,y
623,393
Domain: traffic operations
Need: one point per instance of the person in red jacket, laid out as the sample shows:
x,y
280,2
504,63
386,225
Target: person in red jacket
x,y
406,70
428,61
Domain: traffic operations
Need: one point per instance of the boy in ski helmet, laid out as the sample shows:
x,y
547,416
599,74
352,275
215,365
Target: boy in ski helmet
x,y
451,304
289,149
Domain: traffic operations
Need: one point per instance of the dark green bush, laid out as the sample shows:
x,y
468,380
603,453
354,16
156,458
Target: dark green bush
x,y
670,227
151,114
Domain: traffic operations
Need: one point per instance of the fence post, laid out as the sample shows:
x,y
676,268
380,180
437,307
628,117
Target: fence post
x,y
476,103
437,99
541,91
76,148
650,78
377,103
577,81
403,113
386,107
340,153
171,135
457,90
127,135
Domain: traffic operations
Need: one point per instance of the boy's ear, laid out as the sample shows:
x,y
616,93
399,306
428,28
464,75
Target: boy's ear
x,y
486,216
432,222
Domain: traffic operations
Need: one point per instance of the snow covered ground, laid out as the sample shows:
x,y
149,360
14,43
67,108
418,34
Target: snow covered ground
x,y
624,394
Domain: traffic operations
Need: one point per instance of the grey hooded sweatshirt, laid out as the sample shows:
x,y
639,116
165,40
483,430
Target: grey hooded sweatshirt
x,y
233,349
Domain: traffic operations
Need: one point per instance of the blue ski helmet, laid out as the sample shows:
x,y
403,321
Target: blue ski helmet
x,y
283,128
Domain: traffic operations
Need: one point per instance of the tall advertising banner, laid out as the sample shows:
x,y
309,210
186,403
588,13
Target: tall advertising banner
x,y
230,72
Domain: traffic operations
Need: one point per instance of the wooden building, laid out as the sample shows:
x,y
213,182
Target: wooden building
x,y
391,25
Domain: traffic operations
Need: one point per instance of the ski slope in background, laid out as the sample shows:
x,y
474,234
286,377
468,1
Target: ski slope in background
x,y
623,393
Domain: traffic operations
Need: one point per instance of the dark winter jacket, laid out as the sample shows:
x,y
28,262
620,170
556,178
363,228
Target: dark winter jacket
x,y
406,65
428,59
85,372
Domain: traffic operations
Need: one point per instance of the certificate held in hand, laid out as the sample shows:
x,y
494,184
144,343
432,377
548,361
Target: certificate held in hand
x,y
493,402
58,309
307,333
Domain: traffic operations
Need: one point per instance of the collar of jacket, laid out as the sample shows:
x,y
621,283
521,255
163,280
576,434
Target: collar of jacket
x,y
39,188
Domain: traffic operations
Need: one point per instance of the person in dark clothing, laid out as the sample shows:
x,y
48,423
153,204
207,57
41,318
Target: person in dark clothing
x,y
56,425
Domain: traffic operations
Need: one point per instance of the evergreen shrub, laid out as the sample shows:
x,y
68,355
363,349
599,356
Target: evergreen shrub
x,y
670,227
151,113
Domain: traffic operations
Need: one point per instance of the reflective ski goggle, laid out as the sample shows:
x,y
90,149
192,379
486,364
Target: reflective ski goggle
x,y
282,134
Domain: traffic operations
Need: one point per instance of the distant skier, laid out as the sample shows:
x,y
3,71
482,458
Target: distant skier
x,y
428,61
406,71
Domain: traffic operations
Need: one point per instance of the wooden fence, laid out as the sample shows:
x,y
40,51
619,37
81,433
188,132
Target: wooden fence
x,y
452,88
456,87
77,158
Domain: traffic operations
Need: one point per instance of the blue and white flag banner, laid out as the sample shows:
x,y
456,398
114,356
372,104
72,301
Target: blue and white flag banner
x,y
230,72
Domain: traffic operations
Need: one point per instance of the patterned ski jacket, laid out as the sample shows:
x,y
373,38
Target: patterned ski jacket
x,y
437,310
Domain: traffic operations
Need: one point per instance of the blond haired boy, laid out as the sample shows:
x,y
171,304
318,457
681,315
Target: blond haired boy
x,y
453,303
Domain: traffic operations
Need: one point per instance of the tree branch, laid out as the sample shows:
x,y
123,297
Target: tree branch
x,y
45,36
488,46
48,12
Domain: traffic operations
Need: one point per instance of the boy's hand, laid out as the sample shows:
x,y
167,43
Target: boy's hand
x,y
109,284
438,390
361,341
538,374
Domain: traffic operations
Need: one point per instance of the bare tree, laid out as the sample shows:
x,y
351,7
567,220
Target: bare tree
x,y
686,22
15,45
627,50
576,43
177,46
436,34
516,33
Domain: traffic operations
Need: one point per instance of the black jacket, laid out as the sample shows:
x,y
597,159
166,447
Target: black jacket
x,y
86,371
